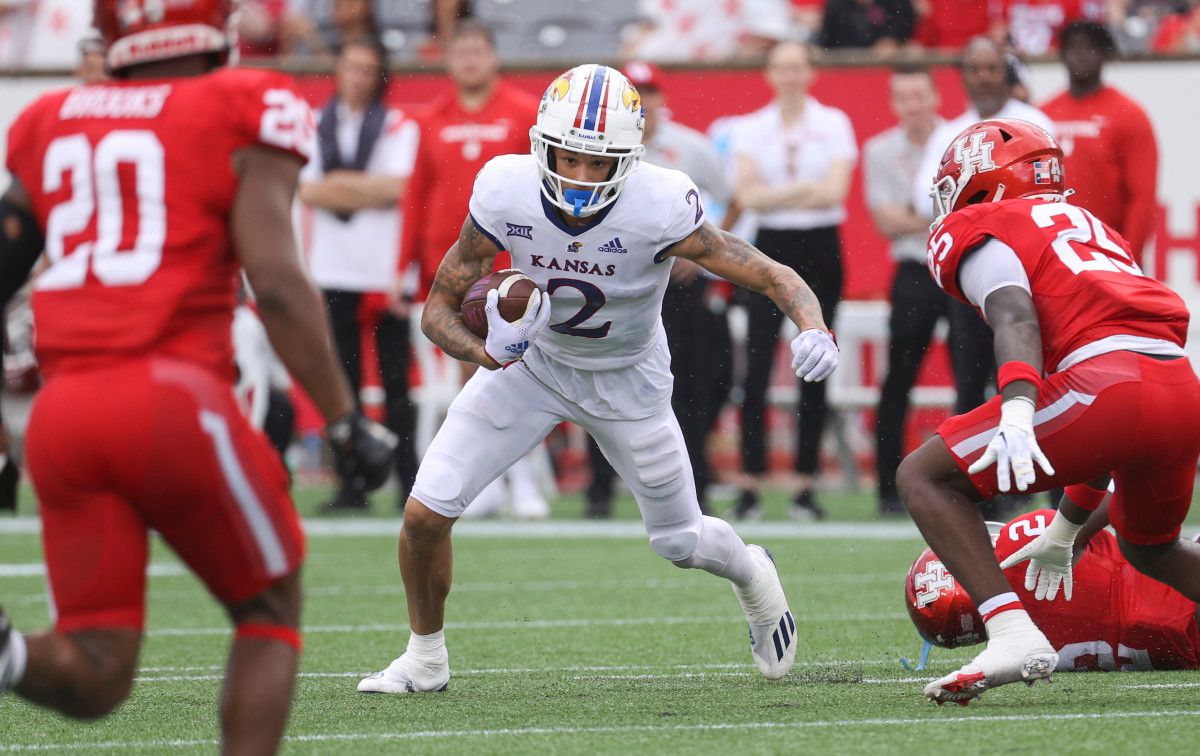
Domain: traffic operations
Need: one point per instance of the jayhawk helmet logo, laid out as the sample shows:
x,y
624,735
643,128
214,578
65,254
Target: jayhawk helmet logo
x,y
559,88
631,99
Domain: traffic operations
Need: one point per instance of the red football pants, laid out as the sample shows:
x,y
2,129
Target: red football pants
x,y
1122,413
154,444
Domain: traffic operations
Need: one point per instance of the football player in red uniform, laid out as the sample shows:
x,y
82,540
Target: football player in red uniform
x,y
1093,381
1117,618
150,195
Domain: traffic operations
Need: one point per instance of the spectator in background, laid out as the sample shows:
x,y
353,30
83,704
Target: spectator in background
x,y
704,30
354,181
889,169
1032,26
1179,32
260,27
92,68
985,73
795,158
950,24
884,26
1111,153
304,32
697,336
460,131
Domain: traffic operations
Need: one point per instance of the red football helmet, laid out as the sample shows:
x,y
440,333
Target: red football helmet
x,y
939,607
999,159
143,31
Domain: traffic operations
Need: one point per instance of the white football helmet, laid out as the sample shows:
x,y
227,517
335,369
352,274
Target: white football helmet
x,y
594,110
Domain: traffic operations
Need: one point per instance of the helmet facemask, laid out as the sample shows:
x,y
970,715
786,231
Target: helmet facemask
x,y
588,197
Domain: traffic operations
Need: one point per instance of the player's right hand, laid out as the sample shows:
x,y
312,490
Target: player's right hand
x,y
1049,565
363,451
1014,448
507,342
814,354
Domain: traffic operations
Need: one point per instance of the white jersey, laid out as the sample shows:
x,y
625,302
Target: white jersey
x,y
606,279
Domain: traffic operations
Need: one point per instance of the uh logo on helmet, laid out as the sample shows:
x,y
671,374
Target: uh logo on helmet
x,y
594,110
1002,158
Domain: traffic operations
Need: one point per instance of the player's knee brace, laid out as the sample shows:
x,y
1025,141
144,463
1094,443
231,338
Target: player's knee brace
x,y
280,633
659,462
678,545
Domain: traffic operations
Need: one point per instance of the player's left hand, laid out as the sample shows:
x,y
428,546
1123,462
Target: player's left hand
x,y
1050,556
814,354
363,451
1014,448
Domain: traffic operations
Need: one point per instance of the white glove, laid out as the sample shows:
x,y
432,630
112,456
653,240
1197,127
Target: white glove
x,y
506,342
814,355
1015,447
1049,558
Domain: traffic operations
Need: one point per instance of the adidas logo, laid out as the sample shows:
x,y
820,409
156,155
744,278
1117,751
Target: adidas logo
x,y
783,636
518,348
613,246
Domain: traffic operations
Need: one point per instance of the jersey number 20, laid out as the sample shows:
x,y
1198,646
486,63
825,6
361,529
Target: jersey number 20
x,y
96,191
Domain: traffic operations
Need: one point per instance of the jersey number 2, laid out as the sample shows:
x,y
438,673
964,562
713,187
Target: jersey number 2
x,y
593,300
96,192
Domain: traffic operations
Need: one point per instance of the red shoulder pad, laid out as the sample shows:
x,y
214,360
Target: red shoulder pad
x,y
960,232
268,110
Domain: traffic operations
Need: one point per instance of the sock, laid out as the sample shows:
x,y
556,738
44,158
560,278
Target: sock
x,y
999,604
428,648
722,552
17,655
1009,623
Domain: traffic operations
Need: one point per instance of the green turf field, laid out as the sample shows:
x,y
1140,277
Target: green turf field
x,y
589,643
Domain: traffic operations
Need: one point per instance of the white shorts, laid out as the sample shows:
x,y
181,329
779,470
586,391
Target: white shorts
x,y
502,414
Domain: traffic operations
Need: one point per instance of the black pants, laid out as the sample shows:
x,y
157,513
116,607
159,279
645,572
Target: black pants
x,y
816,255
917,304
702,364
392,343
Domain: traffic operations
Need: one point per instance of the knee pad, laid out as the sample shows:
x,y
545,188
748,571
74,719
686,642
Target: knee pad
x,y
676,546
658,459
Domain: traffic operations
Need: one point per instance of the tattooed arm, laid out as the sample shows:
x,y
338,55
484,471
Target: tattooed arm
x,y
741,263
467,261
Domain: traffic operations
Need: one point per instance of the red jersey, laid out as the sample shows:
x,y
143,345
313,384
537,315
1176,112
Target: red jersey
x,y
1084,282
133,183
1117,618
454,145
1111,159
1033,25
950,24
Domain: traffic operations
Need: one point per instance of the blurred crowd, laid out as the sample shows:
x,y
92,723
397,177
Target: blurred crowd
x,y
31,33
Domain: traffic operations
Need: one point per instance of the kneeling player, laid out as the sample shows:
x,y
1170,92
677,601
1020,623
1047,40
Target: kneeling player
x,y
1117,618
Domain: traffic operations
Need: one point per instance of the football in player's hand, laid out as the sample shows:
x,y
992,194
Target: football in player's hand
x,y
515,289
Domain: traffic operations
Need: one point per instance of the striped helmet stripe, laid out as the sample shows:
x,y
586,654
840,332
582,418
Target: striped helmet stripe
x,y
583,101
599,87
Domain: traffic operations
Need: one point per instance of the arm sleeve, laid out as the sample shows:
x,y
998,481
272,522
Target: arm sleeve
x,y
484,209
993,265
1140,153
686,215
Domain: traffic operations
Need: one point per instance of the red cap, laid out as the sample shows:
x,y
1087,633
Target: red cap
x,y
643,75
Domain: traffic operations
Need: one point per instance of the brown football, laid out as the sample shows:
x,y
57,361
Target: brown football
x,y
515,290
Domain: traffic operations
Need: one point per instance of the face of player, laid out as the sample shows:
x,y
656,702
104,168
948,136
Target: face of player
x,y
1082,59
985,77
789,71
357,75
914,100
577,166
472,62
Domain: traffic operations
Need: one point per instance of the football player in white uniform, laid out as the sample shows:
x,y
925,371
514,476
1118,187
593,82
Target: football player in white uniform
x,y
598,233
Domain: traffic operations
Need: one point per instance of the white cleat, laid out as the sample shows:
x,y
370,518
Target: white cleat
x,y
999,664
772,628
405,675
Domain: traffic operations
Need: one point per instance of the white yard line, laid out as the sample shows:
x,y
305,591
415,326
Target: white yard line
x,y
560,529
538,624
936,719
1161,686
38,569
